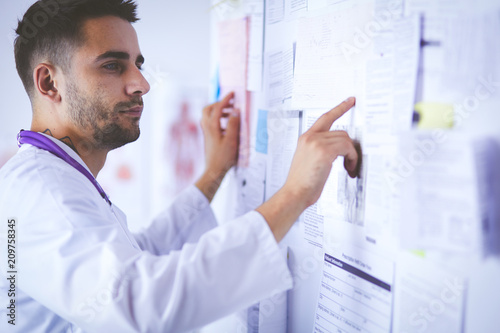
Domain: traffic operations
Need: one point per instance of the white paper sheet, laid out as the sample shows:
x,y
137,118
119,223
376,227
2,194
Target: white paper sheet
x,y
283,129
460,47
427,298
441,206
233,52
251,183
355,293
279,77
312,226
275,11
255,11
390,80
324,74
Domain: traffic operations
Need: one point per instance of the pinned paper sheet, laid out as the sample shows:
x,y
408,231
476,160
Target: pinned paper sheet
x,y
233,53
429,296
262,137
434,115
441,208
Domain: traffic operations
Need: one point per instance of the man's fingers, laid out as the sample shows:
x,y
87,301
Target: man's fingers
x,y
353,165
233,126
222,104
338,143
351,150
226,101
219,106
326,120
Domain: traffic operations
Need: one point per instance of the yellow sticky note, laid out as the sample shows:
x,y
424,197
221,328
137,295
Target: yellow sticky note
x,y
434,115
419,253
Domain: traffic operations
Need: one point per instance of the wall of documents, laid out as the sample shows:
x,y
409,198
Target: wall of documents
x,y
412,244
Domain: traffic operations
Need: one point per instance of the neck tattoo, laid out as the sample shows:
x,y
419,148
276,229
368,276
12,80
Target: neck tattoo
x,y
66,140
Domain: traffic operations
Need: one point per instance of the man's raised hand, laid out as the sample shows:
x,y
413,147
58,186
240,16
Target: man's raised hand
x,y
221,144
316,150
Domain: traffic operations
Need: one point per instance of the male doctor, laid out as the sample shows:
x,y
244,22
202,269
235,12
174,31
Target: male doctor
x,y
76,267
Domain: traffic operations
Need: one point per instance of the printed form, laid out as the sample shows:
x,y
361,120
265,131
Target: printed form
x,y
337,57
460,47
355,293
279,77
283,130
324,75
441,198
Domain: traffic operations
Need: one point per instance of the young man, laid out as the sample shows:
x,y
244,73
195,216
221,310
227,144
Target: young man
x,y
76,266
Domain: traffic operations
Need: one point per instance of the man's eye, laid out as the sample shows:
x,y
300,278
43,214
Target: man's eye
x,y
112,67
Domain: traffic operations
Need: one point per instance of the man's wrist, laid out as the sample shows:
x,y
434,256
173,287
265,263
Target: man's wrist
x,y
282,210
209,183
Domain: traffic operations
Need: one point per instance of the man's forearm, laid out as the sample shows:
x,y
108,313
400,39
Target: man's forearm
x,y
209,183
281,211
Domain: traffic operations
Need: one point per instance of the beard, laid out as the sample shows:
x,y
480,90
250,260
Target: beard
x,y
103,122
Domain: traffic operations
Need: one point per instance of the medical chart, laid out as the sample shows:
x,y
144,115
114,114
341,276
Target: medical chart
x,y
356,293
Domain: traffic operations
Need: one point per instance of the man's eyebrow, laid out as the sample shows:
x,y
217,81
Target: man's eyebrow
x,y
119,55
114,55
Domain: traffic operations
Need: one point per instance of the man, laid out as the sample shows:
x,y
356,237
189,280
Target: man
x,y
77,267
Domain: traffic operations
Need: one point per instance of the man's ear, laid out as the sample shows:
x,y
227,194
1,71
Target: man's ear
x,y
46,83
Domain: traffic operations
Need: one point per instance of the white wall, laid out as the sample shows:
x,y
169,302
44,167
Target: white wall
x,y
16,109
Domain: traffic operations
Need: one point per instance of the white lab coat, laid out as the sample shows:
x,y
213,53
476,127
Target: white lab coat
x,y
79,269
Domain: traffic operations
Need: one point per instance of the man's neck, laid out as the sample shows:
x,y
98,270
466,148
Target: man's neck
x,y
94,158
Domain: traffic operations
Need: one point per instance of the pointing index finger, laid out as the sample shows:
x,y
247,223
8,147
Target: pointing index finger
x,y
326,120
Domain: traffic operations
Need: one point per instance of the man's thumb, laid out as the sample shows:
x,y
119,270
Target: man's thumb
x,y
233,125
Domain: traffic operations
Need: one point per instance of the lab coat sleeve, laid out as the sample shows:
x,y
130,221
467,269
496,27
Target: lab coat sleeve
x,y
82,265
187,218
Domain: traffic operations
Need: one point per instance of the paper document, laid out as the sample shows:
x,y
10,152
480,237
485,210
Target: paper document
x,y
283,131
261,137
441,206
233,52
459,48
275,11
324,73
355,293
428,298
383,200
312,225
255,11
279,77
391,76
251,184
297,5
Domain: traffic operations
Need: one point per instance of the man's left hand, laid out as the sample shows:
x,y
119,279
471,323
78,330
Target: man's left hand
x,y
221,144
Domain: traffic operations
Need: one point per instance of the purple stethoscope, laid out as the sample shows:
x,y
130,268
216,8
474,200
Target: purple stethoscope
x,y
40,141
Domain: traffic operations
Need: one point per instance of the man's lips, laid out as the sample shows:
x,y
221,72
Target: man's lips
x,y
133,112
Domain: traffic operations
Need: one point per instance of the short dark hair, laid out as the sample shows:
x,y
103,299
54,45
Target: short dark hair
x,y
52,29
